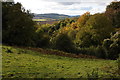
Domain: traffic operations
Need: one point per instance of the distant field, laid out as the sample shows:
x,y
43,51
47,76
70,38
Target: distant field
x,y
39,19
20,63
47,19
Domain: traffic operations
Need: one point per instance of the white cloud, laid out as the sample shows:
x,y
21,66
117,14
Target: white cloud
x,y
69,7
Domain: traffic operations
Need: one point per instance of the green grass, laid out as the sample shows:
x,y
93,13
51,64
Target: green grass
x,y
19,63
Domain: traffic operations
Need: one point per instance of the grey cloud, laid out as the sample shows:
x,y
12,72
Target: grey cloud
x,y
83,8
82,1
7,0
86,8
68,3
64,0
102,4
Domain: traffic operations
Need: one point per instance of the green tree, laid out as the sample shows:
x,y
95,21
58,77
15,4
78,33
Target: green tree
x,y
96,29
18,27
72,34
83,39
42,36
113,12
62,42
100,27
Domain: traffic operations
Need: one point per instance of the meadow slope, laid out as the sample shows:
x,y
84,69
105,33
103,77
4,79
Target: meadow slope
x,y
21,63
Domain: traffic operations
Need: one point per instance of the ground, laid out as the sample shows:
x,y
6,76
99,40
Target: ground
x,y
22,63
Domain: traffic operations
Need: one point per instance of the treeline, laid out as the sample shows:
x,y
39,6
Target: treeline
x,y
89,34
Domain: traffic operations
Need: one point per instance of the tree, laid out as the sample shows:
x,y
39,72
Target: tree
x,y
113,13
83,19
83,38
42,36
72,34
62,42
18,27
97,28
100,27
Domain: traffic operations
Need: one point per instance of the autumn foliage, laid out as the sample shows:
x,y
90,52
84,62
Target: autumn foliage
x,y
88,34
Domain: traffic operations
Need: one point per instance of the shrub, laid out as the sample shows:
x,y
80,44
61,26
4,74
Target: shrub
x,y
100,52
112,46
62,42
83,39
42,38
94,51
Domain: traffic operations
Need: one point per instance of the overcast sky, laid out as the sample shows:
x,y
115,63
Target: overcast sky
x,y
68,7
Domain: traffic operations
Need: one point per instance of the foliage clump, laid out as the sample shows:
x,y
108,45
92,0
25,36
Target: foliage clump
x,y
112,46
62,42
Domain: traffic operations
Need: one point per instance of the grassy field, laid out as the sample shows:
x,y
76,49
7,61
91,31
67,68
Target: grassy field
x,y
20,63
39,19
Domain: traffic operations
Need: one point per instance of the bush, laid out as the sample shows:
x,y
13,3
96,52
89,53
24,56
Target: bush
x,y
42,38
100,52
112,46
94,51
62,42
83,39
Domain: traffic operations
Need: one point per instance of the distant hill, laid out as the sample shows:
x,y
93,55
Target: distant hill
x,y
51,16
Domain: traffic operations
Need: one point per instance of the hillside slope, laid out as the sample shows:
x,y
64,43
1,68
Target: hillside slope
x,y
21,63
51,15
